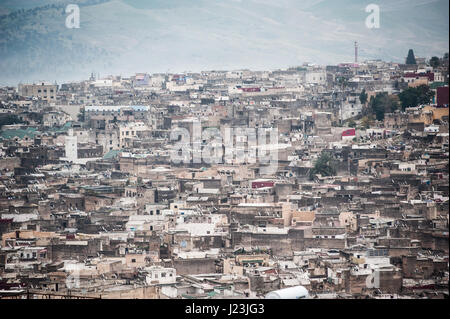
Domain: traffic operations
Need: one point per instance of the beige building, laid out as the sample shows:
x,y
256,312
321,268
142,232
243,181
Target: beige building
x,y
43,90
129,130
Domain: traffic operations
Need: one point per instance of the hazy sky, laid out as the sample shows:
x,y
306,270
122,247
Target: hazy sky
x,y
128,36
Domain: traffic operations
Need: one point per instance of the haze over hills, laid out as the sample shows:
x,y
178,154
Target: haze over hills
x,y
127,36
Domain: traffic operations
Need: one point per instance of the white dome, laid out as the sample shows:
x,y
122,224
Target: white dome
x,y
297,292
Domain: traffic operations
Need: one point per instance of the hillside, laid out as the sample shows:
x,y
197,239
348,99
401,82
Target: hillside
x,y
126,36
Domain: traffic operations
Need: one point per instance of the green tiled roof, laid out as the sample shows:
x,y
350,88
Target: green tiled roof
x,y
111,154
61,129
435,85
20,133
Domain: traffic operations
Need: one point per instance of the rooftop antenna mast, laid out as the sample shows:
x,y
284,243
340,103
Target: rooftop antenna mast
x,y
356,52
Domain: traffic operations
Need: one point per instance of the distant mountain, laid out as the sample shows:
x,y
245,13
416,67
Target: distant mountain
x,y
127,36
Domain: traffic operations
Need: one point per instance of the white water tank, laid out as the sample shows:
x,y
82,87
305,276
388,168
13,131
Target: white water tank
x,y
297,292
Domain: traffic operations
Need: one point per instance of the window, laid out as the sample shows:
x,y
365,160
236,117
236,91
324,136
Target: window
x,y
133,260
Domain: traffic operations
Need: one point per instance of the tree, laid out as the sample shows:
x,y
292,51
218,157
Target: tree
x,y
408,98
435,62
324,166
351,123
378,107
363,97
411,59
412,97
381,104
424,94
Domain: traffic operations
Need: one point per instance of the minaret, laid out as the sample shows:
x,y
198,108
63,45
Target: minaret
x,y
356,52
71,146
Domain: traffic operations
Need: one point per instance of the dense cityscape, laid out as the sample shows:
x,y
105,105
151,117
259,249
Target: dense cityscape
x,y
229,183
